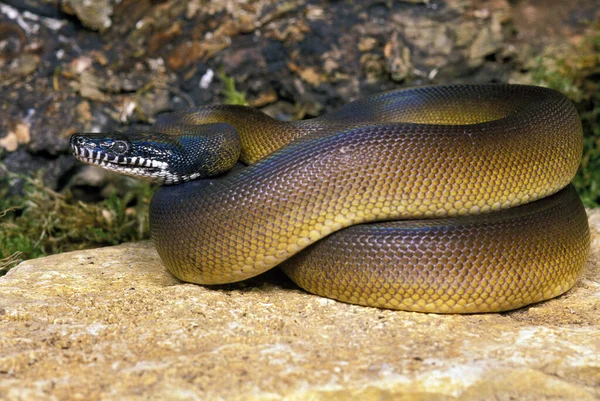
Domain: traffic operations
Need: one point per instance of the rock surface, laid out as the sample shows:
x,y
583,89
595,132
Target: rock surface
x,y
112,324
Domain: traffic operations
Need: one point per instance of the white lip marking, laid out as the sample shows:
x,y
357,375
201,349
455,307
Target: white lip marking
x,y
134,166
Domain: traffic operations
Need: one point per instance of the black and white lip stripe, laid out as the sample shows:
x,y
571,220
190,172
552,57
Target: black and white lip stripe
x,y
154,170
103,159
135,166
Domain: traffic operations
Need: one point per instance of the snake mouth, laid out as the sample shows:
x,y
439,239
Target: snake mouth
x,y
130,165
122,156
104,159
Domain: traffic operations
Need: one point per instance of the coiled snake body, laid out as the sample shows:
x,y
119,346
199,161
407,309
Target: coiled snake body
x,y
465,190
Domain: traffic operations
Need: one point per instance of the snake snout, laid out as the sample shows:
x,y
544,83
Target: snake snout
x,y
93,148
80,146
76,140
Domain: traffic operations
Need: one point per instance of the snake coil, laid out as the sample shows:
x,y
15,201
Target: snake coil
x,y
448,199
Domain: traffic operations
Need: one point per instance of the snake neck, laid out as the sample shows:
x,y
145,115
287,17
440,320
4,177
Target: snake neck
x,y
255,128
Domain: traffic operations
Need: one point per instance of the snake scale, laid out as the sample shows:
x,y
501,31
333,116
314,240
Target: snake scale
x,y
447,199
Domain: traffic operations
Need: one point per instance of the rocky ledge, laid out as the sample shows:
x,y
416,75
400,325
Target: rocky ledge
x,y
112,324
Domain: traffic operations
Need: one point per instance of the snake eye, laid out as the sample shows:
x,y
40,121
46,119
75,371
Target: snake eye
x,y
120,147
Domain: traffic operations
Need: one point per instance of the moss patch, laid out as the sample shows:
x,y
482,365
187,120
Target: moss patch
x,y
232,95
43,221
577,77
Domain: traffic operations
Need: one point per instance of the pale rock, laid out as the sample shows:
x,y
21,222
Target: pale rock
x,y
94,14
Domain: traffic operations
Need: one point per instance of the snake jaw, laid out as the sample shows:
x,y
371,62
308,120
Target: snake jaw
x,y
116,153
198,152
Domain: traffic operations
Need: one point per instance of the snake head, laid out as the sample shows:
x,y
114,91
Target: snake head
x,y
195,152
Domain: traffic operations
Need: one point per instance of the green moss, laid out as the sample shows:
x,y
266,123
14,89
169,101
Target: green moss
x,y
587,180
575,76
232,95
560,77
44,222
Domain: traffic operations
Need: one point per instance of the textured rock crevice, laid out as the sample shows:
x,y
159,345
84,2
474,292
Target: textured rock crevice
x,y
111,323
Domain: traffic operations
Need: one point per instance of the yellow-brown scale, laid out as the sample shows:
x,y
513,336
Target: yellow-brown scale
x,y
420,153
487,263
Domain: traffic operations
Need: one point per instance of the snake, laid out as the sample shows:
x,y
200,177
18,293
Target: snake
x,y
443,199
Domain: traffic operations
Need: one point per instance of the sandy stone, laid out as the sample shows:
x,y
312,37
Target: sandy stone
x,y
93,14
112,324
